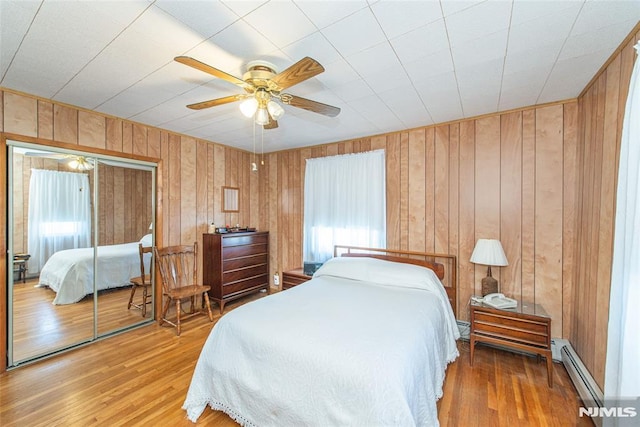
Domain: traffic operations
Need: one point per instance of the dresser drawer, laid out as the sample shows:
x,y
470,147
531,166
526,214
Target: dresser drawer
x,y
241,251
242,262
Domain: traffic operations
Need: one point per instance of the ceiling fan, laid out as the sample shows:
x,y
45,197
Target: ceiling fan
x,y
263,85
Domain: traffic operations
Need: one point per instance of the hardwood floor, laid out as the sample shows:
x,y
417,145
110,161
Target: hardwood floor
x,y
141,378
40,326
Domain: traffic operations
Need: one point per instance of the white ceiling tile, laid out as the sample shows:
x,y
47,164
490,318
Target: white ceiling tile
x,y
446,110
291,25
449,7
569,76
325,13
20,13
597,14
431,65
353,90
428,39
596,40
492,46
347,41
337,74
315,46
396,20
243,7
528,10
479,20
547,30
479,87
242,40
373,59
519,96
205,17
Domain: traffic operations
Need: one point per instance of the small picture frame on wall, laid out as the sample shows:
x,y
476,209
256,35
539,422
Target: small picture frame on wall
x,y
230,199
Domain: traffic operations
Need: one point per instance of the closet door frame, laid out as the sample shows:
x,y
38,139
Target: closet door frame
x,y
6,293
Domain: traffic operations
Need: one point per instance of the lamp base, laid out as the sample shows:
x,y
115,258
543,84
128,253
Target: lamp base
x,y
489,285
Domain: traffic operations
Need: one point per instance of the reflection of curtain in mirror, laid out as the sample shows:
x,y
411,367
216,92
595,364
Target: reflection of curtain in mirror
x,y
59,214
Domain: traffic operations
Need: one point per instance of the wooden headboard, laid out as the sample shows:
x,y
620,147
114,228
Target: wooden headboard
x,y
424,259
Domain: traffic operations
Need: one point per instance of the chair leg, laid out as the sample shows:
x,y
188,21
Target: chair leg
x,y
205,299
144,302
133,292
178,314
164,310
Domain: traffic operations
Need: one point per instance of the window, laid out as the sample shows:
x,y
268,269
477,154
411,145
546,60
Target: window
x,y
344,203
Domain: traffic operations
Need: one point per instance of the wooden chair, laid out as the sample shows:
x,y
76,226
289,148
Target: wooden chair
x,y
178,270
143,281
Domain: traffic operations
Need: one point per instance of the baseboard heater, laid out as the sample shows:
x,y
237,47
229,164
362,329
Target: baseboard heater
x,y
584,383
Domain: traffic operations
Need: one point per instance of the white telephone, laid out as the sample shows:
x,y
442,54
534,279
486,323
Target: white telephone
x,y
499,301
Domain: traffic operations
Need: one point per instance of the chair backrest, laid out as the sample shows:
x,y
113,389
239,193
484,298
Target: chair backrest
x,y
178,266
143,273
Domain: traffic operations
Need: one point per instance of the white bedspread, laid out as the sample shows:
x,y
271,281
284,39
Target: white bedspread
x,y
330,352
70,272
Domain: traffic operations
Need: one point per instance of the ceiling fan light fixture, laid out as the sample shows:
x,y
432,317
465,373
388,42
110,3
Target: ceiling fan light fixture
x,y
275,110
248,107
74,164
262,116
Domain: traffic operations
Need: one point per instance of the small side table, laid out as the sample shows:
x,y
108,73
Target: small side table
x,y
293,278
20,266
526,328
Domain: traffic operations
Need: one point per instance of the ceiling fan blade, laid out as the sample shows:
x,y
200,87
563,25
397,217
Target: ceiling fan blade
x,y
298,72
309,105
194,63
272,124
217,101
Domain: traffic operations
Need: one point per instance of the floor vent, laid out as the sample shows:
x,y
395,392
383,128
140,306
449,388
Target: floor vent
x,y
584,383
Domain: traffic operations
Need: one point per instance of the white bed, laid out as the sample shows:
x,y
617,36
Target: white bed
x,y
365,342
70,272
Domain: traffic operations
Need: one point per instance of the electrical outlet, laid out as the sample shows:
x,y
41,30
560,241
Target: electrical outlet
x,y
276,279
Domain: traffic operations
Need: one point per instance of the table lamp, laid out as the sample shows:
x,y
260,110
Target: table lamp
x,y
489,252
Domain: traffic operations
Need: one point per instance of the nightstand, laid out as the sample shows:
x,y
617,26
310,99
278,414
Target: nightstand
x,y
526,328
293,278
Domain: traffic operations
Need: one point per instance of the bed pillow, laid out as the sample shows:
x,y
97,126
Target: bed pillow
x,y
381,272
147,240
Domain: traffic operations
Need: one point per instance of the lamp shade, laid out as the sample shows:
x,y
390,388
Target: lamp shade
x,y
275,110
489,252
262,116
248,107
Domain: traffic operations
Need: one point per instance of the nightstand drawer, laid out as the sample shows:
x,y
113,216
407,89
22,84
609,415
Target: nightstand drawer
x,y
512,334
293,278
512,322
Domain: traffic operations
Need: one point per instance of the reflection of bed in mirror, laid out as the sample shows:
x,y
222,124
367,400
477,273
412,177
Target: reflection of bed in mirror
x,y
70,272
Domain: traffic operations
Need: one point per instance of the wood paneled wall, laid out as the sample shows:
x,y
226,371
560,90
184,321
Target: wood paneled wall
x,y
509,176
191,172
601,114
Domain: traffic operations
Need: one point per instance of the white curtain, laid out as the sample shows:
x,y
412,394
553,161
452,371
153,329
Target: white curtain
x,y
59,214
344,203
622,374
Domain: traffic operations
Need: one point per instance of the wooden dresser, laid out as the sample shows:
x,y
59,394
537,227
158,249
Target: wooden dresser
x,y
235,264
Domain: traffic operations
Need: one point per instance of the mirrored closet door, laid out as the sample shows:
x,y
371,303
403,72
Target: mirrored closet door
x,y
77,221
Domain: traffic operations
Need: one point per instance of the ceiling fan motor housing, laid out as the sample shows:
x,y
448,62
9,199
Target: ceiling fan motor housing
x,y
259,74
